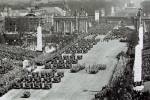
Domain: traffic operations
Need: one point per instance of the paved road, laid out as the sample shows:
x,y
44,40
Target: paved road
x,y
79,86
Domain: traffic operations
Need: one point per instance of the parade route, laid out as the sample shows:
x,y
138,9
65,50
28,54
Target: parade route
x,y
80,85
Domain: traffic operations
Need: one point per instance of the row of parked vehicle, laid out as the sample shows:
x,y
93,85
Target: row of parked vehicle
x,y
64,63
72,55
93,69
19,54
82,46
39,80
76,68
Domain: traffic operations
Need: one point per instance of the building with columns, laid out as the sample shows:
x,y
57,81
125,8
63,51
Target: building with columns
x,y
70,24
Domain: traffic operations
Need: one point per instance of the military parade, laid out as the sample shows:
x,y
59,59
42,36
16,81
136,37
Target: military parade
x,y
74,50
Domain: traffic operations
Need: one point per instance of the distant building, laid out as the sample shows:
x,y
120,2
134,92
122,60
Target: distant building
x,y
67,25
129,10
20,24
13,12
21,30
145,6
47,14
23,19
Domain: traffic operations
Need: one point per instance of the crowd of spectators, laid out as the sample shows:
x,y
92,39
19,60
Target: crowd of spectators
x,y
122,87
18,53
146,58
120,33
102,28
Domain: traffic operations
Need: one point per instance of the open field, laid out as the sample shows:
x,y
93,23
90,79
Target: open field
x,y
79,86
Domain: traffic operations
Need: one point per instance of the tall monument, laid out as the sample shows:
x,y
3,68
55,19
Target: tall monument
x,y
97,15
112,11
138,58
102,12
39,38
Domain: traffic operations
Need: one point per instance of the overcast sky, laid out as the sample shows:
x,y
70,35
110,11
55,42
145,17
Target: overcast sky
x,y
14,1
9,1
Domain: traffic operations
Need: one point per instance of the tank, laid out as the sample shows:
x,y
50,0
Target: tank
x,y
26,94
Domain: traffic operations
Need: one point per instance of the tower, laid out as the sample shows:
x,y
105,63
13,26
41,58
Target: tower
x,y
39,38
97,16
112,11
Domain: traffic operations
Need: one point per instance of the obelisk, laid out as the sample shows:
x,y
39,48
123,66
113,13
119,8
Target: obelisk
x,y
39,38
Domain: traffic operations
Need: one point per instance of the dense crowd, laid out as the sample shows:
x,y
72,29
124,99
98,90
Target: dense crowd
x,y
8,79
22,79
17,53
72,55
10,70
39,80
146,69
74,51
102,28
79,45
146,58
120,33
5,66
121,88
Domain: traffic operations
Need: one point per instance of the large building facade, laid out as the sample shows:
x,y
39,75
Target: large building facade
x,y
77,23
22,24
